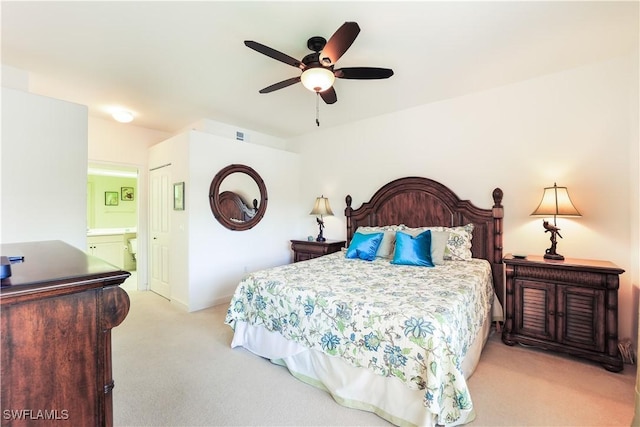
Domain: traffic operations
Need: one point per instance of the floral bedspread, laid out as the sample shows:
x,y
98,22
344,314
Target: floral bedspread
x,y
412,323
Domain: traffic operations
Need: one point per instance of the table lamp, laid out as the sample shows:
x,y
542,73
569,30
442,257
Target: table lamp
x,y
555,201
321,208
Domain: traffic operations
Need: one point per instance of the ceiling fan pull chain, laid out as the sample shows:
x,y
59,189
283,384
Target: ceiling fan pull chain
x,y
318,109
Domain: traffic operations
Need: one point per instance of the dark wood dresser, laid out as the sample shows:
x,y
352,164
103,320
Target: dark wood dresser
x,y
57,310
569,306
308,249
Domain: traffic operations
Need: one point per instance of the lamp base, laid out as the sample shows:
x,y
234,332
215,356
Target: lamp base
x,y
320,237
556,257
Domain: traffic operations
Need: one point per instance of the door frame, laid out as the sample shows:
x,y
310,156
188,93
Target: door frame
x,y
142,209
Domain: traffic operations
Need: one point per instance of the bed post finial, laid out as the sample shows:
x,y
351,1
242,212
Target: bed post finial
x,y
348,212
497,198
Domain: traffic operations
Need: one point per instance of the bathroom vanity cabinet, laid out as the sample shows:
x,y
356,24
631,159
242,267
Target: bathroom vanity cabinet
x,y
113,248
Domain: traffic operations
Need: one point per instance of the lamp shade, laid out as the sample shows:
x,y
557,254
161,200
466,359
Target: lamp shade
x,y
556,201
321,207
317,79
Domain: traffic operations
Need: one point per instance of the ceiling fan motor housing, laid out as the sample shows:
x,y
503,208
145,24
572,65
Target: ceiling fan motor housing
x,y
312,60
316,43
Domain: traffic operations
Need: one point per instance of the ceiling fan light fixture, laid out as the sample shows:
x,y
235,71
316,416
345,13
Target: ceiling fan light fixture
x,y
317,79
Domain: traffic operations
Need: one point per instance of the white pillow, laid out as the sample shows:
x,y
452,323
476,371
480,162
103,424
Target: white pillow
x,y
439,241
388,244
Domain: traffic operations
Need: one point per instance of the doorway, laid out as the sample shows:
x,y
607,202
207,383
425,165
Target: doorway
x,y
113,216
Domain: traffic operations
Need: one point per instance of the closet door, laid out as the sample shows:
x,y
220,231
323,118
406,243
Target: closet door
x,y
160,199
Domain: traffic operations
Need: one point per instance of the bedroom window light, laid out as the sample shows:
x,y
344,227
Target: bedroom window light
x,y
321,207
555,201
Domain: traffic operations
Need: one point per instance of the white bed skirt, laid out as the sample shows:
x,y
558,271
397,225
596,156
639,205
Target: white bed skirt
x,y
352,387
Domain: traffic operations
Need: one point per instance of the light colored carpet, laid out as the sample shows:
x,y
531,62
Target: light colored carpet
x,y
173,368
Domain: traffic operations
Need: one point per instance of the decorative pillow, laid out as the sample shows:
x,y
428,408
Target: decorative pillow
x,y
412,250
439,241
459,243
364,246
385,250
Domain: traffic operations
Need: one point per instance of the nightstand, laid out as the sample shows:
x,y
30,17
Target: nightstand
x,y
568,306
304,250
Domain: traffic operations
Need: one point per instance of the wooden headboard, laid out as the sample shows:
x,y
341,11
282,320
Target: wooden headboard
x,y
422,202
233,207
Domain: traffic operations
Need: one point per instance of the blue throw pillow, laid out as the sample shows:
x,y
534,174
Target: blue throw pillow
x,y
413,250
364,246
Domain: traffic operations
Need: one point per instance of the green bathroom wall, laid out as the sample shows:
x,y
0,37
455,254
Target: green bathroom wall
x,y
111,202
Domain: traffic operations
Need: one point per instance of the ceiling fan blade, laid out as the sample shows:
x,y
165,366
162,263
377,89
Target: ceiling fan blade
x,y
272,53
329,96
339,42
280,85
363,73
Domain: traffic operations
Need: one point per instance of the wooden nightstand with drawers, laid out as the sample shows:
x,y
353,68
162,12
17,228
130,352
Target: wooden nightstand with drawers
x,y
569,306
304,249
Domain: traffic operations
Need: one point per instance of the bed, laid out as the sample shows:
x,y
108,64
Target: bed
x,y
380,335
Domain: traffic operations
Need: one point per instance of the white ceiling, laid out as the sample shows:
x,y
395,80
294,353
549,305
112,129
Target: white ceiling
x,y
174,63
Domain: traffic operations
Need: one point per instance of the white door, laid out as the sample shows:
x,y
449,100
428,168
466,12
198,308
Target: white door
x,y
160,199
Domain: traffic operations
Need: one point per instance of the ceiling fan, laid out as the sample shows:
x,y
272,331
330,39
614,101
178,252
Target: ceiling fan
x,y
318,74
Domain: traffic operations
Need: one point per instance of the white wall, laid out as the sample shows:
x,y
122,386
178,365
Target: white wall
x,y
230,132
44,169
15,78
208,260
576,128
126,144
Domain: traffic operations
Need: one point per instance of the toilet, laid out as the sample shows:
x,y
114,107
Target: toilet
x,y
133,247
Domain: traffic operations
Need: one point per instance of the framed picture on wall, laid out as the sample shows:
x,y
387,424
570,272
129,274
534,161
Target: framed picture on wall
x,y
111,198
178,196
126,193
